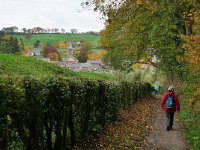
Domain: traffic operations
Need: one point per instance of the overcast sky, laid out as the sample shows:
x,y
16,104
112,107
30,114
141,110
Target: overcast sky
x,y
66,14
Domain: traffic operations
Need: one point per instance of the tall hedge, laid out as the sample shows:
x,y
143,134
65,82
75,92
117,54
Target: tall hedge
x,y
52,113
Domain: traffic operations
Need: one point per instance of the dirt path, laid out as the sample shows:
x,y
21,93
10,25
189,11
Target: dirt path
x,y
160,139
141,127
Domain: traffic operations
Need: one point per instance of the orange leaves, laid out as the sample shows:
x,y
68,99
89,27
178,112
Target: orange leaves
x,y
191,46
52,53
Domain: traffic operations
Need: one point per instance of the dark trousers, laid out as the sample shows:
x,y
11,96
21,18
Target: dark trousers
x,y
170,118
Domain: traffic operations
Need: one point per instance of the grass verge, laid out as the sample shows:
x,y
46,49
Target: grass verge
x,y
93,75
190,122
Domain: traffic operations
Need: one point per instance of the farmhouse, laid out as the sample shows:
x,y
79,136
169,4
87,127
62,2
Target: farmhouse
x,y
34,52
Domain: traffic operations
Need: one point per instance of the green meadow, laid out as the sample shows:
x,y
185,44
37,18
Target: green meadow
x,y
56,38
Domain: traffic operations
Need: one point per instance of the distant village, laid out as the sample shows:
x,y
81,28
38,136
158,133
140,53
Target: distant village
x,y
71,62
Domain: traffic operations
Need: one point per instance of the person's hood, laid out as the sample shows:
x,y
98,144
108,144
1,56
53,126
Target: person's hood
x,y
170,93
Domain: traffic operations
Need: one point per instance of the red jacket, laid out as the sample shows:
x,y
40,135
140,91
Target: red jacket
x,y
163,105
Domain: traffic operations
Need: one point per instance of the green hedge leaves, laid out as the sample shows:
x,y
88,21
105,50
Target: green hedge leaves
x,y
56,112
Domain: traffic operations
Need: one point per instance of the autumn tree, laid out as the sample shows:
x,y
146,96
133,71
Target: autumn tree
x,y
83,55
190,49
138,30
52,53
9,44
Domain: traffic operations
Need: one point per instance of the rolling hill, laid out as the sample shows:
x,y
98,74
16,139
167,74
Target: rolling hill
x,y
18,65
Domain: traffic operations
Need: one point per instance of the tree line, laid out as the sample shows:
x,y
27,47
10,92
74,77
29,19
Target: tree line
x,y
15,29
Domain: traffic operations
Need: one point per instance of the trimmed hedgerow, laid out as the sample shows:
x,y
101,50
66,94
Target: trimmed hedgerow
x,y
55,112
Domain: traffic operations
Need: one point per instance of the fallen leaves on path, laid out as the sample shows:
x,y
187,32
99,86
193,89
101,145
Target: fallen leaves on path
x,y
129,131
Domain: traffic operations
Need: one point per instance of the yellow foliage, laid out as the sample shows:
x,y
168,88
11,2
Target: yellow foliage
x,y
6,37
27,47
137,66
102,53
92,56
97,55
195,98
104,42
138,2
62,45
26,55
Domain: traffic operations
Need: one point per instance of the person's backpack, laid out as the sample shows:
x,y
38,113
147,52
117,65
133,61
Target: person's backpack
x,y
170,102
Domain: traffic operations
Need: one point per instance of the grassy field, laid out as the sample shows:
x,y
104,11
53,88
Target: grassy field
x,y
18,65
56,38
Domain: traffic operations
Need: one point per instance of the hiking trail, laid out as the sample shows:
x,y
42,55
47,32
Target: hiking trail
x,y
141,127
160,139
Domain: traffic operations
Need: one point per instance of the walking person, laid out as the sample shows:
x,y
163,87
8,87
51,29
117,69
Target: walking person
x,y
170,105
157,88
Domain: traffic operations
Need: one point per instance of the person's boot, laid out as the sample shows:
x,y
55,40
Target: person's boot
x,y
167,128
